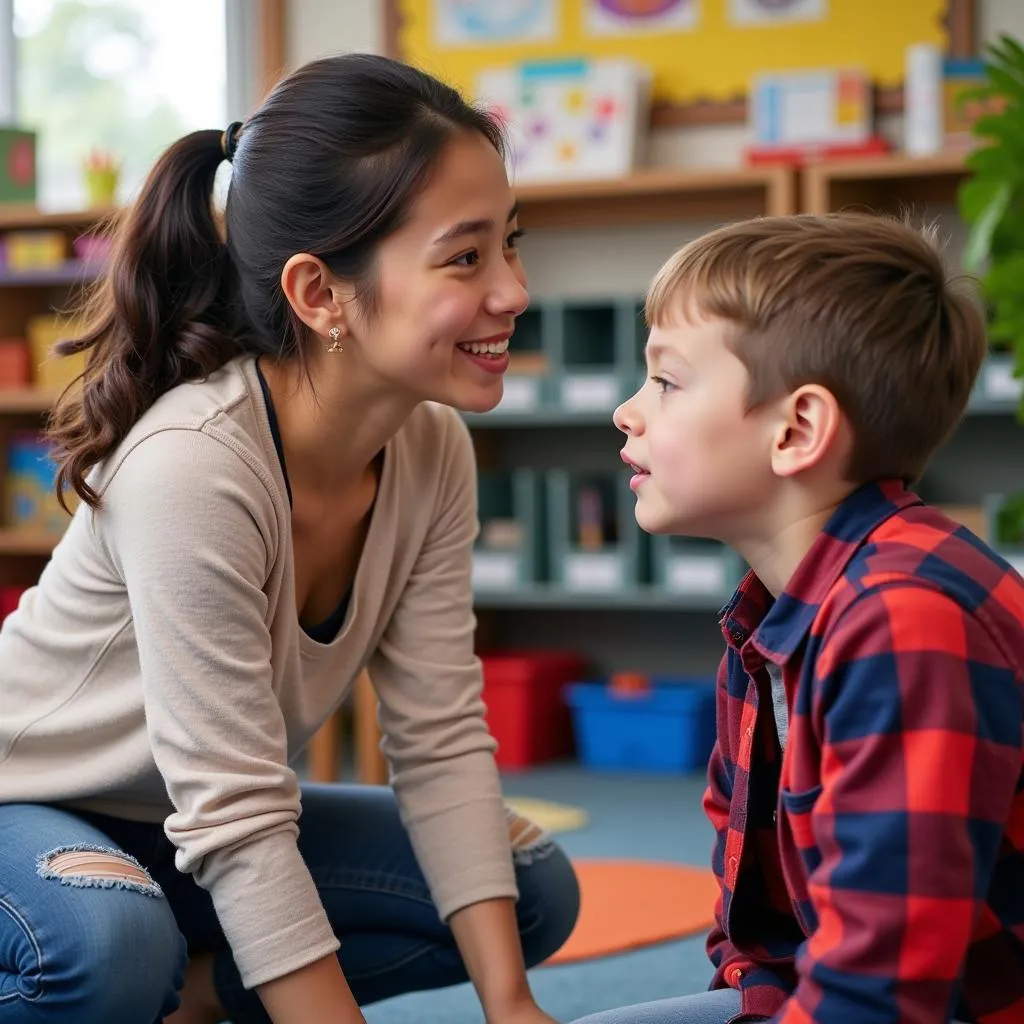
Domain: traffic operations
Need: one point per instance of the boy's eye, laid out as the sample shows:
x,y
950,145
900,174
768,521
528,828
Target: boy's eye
x,y
664,386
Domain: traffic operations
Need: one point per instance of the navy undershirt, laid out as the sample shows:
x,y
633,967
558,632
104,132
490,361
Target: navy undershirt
x,y
326,631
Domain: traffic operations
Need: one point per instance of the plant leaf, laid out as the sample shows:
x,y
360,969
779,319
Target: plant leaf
x,y
1007,83
979,242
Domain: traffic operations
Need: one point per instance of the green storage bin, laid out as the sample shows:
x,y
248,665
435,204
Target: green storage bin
x,y
508,553
593,534
703,571
593,345
528,390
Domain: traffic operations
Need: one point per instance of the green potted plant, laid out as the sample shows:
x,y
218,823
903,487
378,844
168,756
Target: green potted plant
x,y
991,200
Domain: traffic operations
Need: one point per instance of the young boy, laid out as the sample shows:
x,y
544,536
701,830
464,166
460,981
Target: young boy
x,y
866,786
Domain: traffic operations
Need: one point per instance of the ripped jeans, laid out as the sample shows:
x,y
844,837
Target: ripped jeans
x,y
87,940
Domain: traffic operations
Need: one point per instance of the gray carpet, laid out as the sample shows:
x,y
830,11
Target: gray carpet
x,y
657,818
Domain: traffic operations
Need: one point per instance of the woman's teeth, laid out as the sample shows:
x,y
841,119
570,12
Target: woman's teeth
x,y
478,348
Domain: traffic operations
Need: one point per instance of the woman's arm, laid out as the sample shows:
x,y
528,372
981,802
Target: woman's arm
x,y
441,753
488,939
191,531
316,992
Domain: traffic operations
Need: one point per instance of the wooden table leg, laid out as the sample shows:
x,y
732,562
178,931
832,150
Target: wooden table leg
x,y
371,766
324,751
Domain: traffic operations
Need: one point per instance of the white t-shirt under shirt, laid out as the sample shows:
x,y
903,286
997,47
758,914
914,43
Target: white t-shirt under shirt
x,y
159,672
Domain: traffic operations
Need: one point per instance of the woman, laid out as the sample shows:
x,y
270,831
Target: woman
x,y
275,491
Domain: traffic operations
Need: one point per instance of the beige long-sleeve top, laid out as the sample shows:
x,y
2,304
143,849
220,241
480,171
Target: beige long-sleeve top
x,y
158,670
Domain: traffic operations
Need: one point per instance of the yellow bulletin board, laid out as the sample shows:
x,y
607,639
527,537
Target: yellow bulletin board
x,y
701,74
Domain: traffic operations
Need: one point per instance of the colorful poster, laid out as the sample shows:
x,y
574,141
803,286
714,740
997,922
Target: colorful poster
x,y
776,12
569,119
475,22
629,17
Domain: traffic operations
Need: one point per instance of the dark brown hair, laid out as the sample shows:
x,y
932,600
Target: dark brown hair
x,y
329,165
857,303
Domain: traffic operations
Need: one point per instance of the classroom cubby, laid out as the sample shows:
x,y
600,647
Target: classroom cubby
x,y
510,549
588,351
593,536
528,381
694,569
997,390
1005,513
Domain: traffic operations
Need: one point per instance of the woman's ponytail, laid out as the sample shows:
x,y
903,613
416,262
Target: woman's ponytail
x,y
166,311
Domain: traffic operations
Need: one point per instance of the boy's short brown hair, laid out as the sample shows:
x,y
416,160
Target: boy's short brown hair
x,y
858,303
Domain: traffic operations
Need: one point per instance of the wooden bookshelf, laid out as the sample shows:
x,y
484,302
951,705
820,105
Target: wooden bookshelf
x,y
14,401
23,295
892,183
16,218
655,196
34,543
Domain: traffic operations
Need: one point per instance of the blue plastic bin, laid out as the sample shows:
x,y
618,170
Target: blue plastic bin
x,y
669,729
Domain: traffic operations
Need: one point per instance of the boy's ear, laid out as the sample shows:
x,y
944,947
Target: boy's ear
x,y
809,428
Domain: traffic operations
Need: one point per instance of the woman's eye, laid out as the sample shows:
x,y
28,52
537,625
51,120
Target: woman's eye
x,y
513,239
467,259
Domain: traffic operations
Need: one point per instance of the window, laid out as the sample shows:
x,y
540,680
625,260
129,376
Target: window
x,y
119,77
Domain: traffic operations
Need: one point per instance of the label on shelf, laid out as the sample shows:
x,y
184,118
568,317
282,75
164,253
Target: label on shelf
x,y
593,570
1000,383
495,570
695,574
590,392
520,394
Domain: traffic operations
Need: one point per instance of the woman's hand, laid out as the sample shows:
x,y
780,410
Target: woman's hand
x,y
527,1012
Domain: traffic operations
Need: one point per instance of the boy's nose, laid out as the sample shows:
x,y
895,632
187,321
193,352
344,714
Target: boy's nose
x,y
627,418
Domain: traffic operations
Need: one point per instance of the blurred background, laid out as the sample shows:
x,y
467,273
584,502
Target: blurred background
x,y
635,126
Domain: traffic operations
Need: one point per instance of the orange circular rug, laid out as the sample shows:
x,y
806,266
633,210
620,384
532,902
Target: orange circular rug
x,y
627,904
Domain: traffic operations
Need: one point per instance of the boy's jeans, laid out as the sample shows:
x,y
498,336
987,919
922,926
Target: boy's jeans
x,y
716,1007
85,954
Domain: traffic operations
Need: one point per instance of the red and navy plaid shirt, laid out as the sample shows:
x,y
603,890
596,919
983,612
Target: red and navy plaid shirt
x,y
871,862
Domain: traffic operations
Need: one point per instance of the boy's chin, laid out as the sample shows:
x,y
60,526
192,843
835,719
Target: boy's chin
x,y
668,522
652,520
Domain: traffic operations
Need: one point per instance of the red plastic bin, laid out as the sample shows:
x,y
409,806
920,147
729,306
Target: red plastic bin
x,y
9,600
526,709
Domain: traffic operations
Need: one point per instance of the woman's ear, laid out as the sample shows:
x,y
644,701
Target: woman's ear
x,y
319,299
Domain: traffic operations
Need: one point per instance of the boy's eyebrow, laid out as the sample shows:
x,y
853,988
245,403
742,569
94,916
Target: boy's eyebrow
x,y
472,227
658,348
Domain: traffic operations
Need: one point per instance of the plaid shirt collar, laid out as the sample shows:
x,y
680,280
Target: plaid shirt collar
x,y
777,628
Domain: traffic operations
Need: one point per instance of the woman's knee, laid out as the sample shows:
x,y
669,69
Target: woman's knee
x,y
549,892
101,945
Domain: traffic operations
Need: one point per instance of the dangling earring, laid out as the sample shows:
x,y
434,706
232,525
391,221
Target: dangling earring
x,y
335,345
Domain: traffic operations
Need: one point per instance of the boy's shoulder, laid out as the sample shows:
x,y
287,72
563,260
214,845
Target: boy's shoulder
x,y
920,547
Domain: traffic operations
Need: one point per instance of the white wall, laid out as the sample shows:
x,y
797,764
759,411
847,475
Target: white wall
x,y
316,28
1001,16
